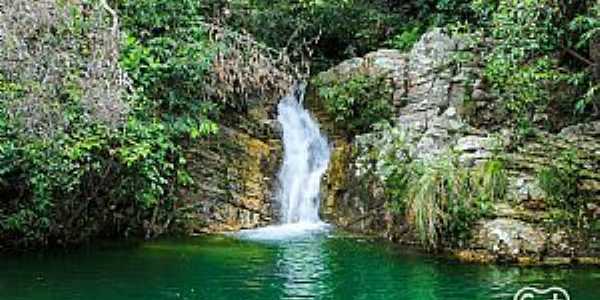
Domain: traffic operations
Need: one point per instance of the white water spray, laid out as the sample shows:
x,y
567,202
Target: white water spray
x,y
305,160
306,156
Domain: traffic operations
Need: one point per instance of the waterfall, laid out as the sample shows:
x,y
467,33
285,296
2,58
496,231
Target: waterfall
x,y
305,159
306,156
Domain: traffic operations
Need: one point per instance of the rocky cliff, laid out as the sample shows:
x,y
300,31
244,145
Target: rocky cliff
x,y
234,174
441,103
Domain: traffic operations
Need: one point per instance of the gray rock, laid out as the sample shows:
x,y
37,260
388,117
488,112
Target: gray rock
x,y
474,149
473,143
342,71
386,62
576,131
524,187
429,100
510,238
481,95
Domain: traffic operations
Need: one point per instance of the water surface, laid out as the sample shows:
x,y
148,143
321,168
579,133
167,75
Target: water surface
x,y
319,266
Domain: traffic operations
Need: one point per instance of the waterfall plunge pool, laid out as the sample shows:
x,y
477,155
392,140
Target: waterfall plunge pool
x,y
324,264
303,258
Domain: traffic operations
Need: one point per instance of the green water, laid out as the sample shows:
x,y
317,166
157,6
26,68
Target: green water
x,y
317,267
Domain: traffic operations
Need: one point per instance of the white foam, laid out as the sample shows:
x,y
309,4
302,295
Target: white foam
x,y
288,231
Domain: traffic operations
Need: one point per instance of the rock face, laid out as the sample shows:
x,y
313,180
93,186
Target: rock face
x,y
428,90
523,229
430,98
510,238
427,97
235,175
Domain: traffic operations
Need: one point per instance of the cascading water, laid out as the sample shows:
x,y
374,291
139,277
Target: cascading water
x,y
305,160
306,156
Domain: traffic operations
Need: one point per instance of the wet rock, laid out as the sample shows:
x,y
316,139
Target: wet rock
x,y
527,261
473,256
588,260
559,242
512,211
556,261
234,174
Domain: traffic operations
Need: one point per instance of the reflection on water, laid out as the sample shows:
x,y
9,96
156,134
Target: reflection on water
x,y
321,266
303,266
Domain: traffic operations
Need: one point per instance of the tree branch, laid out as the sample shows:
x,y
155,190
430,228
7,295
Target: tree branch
x,y
115,18
578,56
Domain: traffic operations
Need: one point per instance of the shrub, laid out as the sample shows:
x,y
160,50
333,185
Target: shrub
x,y
407,38
560,181
332,30
534,64
47,50
445,199
83,149
93,127
358,102
440,198
491,180
385,154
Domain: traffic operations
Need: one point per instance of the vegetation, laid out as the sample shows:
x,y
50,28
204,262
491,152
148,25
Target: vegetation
x,y
98,106
68,167
407,38
99,100
332,30
446,199
440,198
537,53
561,180
358,102
538,60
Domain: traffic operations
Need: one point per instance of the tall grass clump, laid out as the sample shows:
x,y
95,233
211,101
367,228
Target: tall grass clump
x,y
440,197
445,199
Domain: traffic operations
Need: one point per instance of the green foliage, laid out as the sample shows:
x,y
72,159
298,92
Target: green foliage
x,y
523,88
386,155
450,11
333,29
167,53
407,38
66,189
560,181
587,27
95,144
590,100
491,180
444,199
534,60
439,197
91,177
358,102
85,149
